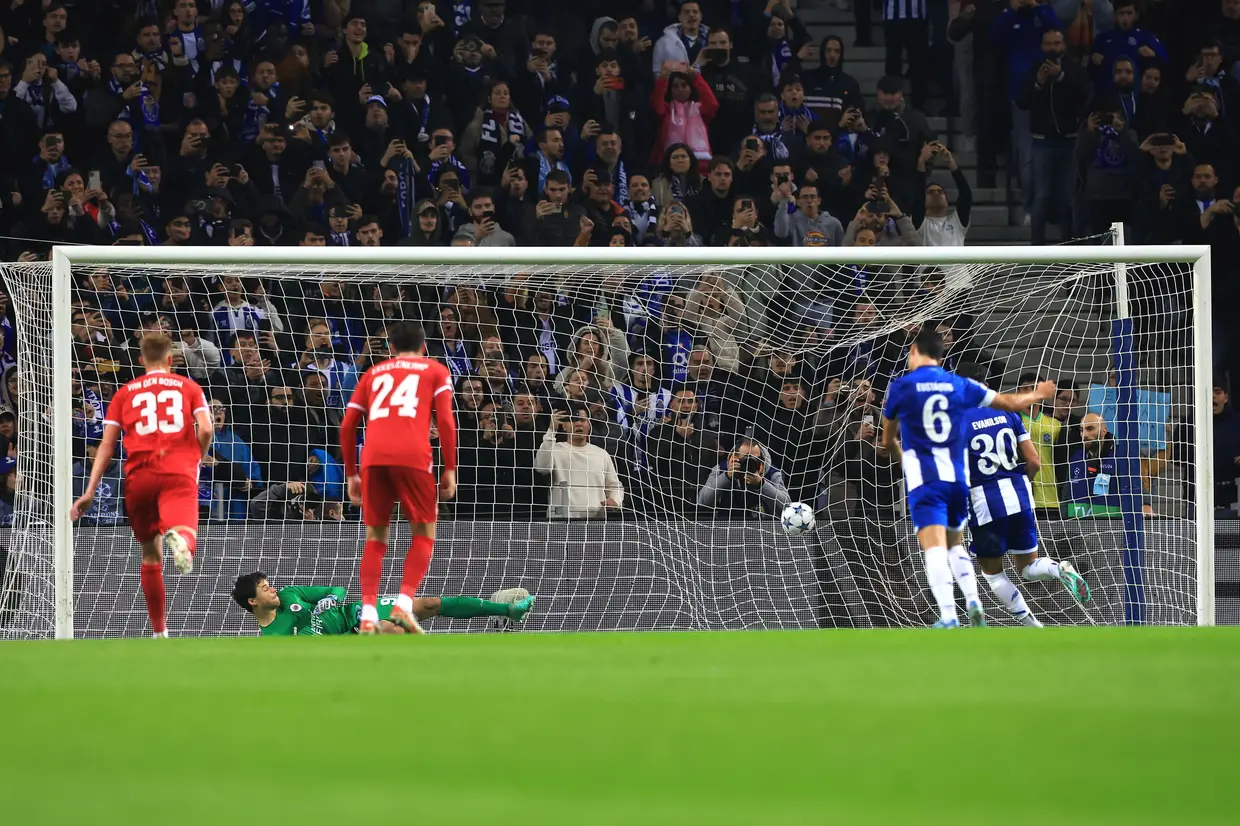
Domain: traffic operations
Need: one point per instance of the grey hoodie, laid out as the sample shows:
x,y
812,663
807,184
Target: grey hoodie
x,y
823,231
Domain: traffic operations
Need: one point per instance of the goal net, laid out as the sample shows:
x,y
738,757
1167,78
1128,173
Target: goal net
x,y
716,386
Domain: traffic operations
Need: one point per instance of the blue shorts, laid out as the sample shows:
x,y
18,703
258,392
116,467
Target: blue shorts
x,y
940,503
1017,534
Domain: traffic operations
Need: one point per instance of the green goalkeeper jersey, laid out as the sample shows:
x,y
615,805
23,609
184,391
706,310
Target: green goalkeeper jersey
x,y
318,612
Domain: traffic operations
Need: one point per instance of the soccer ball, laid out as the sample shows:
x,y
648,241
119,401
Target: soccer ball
x,y
797,519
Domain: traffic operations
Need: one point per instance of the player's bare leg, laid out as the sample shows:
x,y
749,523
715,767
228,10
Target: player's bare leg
x,y
152,575
1033,568
371,574
966,579
417,563
181,541
1005,590
933,540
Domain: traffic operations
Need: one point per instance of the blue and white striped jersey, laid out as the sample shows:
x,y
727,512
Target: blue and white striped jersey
x,y
998,485
930,403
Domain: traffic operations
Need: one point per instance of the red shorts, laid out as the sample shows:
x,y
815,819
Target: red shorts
x,y
156,502
385,485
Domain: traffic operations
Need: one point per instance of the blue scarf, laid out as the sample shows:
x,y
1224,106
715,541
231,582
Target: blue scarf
x,y
621,180
775,146
785,112
152,239
1109,155
256,116
456,354
34,94
404,193
147,105
544,167
52,170
781,53
462,13
461,171
676,347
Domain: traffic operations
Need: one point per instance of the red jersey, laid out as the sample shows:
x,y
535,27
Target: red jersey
x,y
397,398
155,412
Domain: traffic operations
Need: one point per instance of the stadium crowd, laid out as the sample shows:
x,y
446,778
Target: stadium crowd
x,y
618,123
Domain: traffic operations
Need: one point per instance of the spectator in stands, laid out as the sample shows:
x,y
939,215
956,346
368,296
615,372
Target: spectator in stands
x,y
744,484
1094,487
829,90
804,221
715,312
1126,40
1053,94
679,179
1109,152
584,482
1021,33
681,453
1226,453
884,220
683,102
681,41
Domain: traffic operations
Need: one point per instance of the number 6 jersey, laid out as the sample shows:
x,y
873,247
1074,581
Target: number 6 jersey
x,y
930,403
155,413
398,398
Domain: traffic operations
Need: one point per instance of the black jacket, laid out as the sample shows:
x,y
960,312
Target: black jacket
x,y
1057,109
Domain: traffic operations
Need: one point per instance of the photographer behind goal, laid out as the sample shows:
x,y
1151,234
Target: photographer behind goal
x,y
745,484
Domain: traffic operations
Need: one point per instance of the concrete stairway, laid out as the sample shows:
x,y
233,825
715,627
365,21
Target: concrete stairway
x,y
993,221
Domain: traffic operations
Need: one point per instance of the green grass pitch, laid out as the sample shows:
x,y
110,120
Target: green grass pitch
x,y
1002,726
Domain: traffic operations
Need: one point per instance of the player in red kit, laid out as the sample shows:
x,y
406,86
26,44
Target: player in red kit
x,y
157,413
397,398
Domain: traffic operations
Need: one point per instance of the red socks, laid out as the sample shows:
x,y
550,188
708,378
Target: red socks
x,y
417,562
153,590
372,571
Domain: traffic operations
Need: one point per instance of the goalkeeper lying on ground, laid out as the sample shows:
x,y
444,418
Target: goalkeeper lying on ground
x,y
322,611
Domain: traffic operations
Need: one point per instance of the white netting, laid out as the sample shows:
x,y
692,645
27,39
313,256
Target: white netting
x,y
691,362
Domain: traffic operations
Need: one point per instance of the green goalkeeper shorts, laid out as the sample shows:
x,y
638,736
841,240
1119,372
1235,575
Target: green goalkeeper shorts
x,y
385,606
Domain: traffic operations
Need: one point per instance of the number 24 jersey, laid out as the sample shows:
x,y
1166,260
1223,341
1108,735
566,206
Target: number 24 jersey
x,y
155,412
398,398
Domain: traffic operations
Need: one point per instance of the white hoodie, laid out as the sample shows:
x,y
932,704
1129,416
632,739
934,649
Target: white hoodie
x,y
671,47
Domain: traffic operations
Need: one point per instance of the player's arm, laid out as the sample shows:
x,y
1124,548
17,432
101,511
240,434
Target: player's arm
x,y
1033,462
103,458
445,421
312,593
1016,402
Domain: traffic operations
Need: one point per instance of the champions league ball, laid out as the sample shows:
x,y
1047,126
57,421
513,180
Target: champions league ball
x,y
797,519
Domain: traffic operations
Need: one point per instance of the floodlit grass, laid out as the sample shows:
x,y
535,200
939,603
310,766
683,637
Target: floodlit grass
x,y
1001,726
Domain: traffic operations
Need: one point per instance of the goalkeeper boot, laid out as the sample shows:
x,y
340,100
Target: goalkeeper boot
x,y
182,556
977,617
518,609
951,623
1075,583
405,620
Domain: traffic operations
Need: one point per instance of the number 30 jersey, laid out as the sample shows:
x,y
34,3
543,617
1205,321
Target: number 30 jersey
x,y
998,485
398,397
930,404
155,413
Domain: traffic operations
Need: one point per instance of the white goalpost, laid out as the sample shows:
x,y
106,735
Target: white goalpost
x,y
721,382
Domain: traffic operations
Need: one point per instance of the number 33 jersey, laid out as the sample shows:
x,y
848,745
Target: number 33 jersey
x,y
930,404
399,397
155,413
